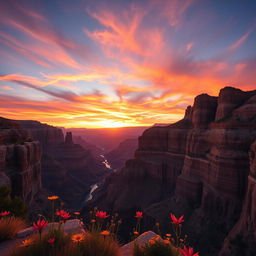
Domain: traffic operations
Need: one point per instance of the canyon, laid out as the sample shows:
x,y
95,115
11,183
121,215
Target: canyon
x,y
20,161
68,169
200,167
38,159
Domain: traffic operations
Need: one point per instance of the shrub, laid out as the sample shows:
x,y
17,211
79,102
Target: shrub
x,y
9,226
65,245
15,205
41,247
157,248
96,244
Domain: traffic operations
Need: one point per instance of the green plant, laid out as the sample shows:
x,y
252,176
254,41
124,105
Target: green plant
x,y
15,205
96,244
41,247
57,243
156,248
9,226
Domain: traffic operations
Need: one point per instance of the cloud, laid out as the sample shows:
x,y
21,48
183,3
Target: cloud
x,y
240,41
136,65
46,44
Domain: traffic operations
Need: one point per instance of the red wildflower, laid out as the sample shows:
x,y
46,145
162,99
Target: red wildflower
x,y
39,225
138,215
5,213
175,220
188,251
51,240
65,216
101,215
60,212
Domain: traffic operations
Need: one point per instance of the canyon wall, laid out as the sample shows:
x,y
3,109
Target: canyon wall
x,y
198,166
68,169
125,150
20,161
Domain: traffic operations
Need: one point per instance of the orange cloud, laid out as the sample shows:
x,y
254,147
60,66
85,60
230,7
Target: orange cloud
x,y
142,76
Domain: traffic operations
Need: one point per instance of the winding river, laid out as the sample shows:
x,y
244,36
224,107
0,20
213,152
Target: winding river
x,y
95,186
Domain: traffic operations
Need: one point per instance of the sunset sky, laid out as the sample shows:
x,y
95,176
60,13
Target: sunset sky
x,y
121,63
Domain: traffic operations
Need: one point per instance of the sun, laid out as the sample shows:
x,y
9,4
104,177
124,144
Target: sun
x,y
112,124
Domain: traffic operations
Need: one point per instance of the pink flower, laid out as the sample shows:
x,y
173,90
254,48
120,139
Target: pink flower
x,y
175,220
138,215
101,215
51,240
188,251
60,212
40,225
5,213
63,214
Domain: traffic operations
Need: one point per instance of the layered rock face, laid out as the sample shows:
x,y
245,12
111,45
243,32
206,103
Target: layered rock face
x,y
241,239
118,156
68,169
198,166
20,160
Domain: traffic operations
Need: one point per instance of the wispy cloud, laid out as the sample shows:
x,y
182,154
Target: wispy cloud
x,y
130,64
240,41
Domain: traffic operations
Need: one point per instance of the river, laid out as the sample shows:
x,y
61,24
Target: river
x,y
95,186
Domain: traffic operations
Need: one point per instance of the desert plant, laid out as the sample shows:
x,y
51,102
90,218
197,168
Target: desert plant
x,y
48,245
156,248
97,244
56,243
15,205
9,226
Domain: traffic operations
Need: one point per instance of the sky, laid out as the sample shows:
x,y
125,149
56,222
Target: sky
x,y
121,63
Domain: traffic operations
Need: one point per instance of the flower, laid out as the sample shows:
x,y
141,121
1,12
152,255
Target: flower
x,y
166,241
168,235
188,251
63,214
93,221
60,212
52,198
152,241
5,213
105,233
101,215
76,213
40,225
51,240
176,221
138,215
78,238
26,242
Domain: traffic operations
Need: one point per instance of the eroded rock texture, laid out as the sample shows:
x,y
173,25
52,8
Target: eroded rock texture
x,y
20,160
68,169
198,166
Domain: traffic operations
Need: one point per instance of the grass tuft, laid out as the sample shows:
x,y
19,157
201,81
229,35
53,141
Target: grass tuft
x,y
9,226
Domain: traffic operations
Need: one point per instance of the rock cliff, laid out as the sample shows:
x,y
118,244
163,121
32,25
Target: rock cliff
x,y
241,239
118,156
20,160
68,169
198,166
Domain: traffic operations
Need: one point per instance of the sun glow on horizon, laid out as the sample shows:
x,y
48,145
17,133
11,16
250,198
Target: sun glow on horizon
x,y
121,64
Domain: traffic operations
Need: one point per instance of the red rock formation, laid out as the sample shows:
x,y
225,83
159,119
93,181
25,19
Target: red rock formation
x,y
197,167
241,239
118,156
68,169
20,160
